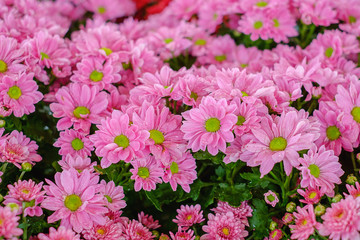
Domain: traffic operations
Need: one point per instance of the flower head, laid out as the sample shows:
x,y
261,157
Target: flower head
x,y
9,223
305,223
271,198
188,216
60,233
146,173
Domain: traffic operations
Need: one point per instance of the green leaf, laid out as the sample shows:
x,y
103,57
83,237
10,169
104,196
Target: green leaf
x,y
234,195
220,172
260,220
162,195
194,191
254,179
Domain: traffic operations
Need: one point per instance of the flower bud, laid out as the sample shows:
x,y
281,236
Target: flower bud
x,y
337,198
319,210
13,206
155,233
26,167
351,179
2,123
273,225
290,207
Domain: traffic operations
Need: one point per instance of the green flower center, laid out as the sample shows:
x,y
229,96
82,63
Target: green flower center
x,y
332,133
244,94
355,112
143,172
122,141
168,40
157,136
77,144
3,66
243,65
261,4
314,170
101,10
328,52
240,120
200,42
271,198
73,202
126,66
30,204
81,111
109,199
313,194
174,168
212,125
96,76
44,55
14,92
194,96
107,51
220,58
352,19
276,23
258,24
278,144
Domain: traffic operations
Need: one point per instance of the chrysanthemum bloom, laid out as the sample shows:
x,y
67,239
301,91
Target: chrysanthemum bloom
x,y
188,216
135,230
287,218
320,169
19,93
117,140
75,143
242,213
110,9
77,162
114,195
271,198
9,223
353,190
148,221
164,237
60,233
342,220
16,148
305,223
79,105
283,24
96,71
181,171
183,234
209,126
275,234
146,173
321,13
10,56
279,139
29,193
109,231
223,226
311,195
75,200
256,24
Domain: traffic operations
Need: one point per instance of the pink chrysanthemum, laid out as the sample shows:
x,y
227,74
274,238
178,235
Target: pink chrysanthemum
x,y
78,105
19,93
311,195
60,233
111,9
188,216
136,231
320,169
117,140
209,126
9,223
10,56
242,213
275,234
224,226
287,218
148,221
29,193
16,148
146,173
77,162
75,200
183,234
75,143
271,198
353,190
305,223
342,220
109,231
114,195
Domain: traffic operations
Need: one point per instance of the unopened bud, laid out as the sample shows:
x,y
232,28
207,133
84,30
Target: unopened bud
x,y
26,167
337,198
155,233
351,179
1,198
13,206
2,123
319,210
273,225
290,207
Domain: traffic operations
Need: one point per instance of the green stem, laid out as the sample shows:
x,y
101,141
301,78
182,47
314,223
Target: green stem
x,y
312,106
354,162
4,167
21,175
175,105
309,35
25,223
276,178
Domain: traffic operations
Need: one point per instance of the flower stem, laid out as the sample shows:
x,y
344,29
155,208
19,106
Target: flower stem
x,y
25,223
21,175
4,167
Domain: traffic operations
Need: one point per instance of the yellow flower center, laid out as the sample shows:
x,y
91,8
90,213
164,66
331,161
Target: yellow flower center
x,y
3,66
212,125
14,92
122,141
81,111
143,172
73,202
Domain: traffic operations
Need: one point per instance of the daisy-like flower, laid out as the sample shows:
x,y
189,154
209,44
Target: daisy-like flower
x,y
353,190
135,230
10,56
75,200
342,220
16,148
117,140
183,234
114,195
275,234
146,173
148,221
110,230
271,198
29,193
9,223
209,126
77,162
223,226
19,93
311,195
74,143
279,139
60,233
111,9
242,213
287,218
188,216
320,169
78,105
305,223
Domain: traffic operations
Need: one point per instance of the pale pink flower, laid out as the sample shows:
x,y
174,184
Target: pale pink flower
x,y
19,93
148,221
109,231
320,168
110,9
134,230
188,216
319,12
117,140
74,143
75,200
342,220
271,198
60,233
353,190
305,223
255,24
10,56
311,195
79,106
9,223
114,195
242,213
77,162
209,126
183,234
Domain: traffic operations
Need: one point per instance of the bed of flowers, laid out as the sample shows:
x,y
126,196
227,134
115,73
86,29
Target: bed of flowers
x,y
182,119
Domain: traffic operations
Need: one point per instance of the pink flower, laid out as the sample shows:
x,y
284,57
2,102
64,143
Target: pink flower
x,y
209,126
10,56
311,195
19,93
111,9
321,13
271,198
60,233
16,148
9,223
77,162
117,140
241,213
148,221
146,173
188,216
114,195
342,220
320,169
110,230
183,234
275,234
354,191
78,105
305,223
136,231
75,200
287,218
255,24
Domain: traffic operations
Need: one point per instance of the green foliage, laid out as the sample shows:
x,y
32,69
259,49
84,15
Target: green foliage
x,y
260,220
234,195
